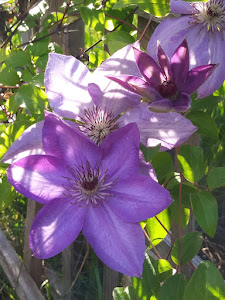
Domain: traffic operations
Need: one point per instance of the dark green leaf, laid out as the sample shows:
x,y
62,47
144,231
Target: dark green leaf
x,y
163,269
156,232
206,211
216,178
190,159
163,164
206,125
9,76
205,284
190,245
173,288
149,284
149,152
41,62
20,58
39,47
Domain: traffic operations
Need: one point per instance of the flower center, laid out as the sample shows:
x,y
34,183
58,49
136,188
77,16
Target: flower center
x,y
168,89
211,15
97,124
88,184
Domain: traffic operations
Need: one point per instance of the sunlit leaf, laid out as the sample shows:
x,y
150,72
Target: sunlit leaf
x,y
157,8
205,284
190,159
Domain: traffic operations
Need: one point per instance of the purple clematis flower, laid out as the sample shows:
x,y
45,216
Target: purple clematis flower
x,y
96,189
166,86
203,25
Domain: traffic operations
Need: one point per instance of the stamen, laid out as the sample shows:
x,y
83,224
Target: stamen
x,y
210,15
97,124
88,184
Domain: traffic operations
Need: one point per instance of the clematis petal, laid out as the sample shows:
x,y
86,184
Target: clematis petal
x,y
216,46
145,168
38,177
120,152
126,81
119,244
116,98
139,194
183,103
162,106
66,80
55,227
148,68
168,129
180,64
196,77
67,143
181,7
169,34
164,63
29,143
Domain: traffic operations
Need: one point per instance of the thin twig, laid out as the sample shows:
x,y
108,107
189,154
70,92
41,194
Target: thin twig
x,y
80,269
65,11
153,247
180,234
100,40
144,31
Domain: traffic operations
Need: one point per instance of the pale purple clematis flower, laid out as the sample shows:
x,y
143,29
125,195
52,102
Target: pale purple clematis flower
x,y
96,189
167,86
203,25
72,94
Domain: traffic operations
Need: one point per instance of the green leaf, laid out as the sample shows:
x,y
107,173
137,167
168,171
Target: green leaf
x,y
119,36
33,97
41,62
40,44
7,193
93,18
20,58
173,288
12,133
206,211
149,152
158,8
163,269
205,103
38,80
190,245
149,284
9,76
163,164
205,284
206,125
190,159
187,191
216,178
28,73
185,213
156,232
128,293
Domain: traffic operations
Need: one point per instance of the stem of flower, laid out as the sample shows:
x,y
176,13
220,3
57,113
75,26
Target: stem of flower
x,y
153,247
144,31
180,234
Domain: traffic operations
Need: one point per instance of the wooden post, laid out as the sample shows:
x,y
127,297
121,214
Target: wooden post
x,y
15,271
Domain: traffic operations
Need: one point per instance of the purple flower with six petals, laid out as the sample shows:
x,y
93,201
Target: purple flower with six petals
x,y
203,25
166,86
96,189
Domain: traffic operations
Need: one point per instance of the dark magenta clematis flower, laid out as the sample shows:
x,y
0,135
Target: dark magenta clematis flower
x,y
203,25
167,86
89,188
